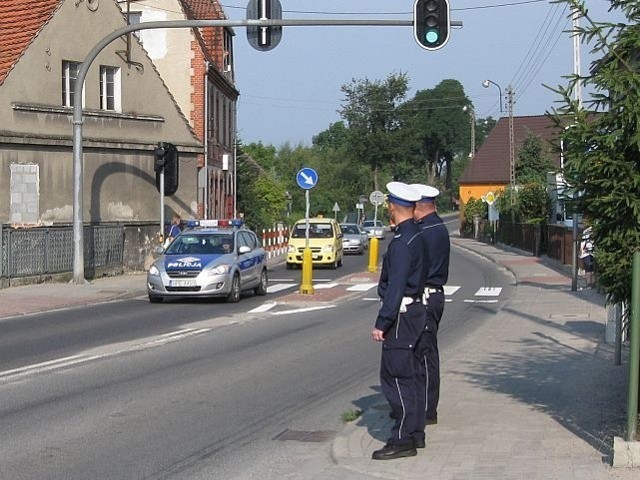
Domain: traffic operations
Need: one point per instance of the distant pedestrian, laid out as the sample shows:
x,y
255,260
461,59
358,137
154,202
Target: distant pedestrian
x,y
400,321
174,229
435,238
586,254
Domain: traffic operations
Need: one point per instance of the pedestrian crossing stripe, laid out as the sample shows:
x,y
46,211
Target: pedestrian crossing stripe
x,y
263,308
325,286
488,292
362,287
280,286
451,289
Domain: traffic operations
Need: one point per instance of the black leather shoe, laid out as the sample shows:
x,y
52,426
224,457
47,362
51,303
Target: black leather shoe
x,y
391,451
419,443
432,421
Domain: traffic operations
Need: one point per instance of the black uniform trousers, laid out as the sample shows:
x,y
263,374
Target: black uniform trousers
x,y
397,372
428,364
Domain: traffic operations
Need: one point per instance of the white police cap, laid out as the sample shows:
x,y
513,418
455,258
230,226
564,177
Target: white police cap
x,y
402,194
427,193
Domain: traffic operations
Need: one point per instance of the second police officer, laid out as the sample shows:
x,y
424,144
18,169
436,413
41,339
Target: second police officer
x,y
401,321
435,240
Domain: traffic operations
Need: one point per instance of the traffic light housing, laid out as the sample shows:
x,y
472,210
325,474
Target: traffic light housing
x,y
166,159
431,23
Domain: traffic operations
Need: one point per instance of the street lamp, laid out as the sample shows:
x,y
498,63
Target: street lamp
x,y
488,82
472,114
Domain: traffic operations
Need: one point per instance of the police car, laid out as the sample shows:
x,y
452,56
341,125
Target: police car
x,y
211,258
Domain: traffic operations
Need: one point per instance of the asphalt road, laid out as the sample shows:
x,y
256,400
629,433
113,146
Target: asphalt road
x,y
216,401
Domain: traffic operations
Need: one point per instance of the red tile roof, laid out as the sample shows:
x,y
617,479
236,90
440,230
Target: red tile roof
x,y
209,37
491,162
20,22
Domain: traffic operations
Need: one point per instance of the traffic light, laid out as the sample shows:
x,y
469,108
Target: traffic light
x,y
431,23
166,159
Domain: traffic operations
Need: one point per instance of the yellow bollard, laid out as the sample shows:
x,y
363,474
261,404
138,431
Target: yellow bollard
x,y
373,254
306,287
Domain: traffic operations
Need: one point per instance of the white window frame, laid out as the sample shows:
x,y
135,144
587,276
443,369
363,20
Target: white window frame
x,y
68,84
104,94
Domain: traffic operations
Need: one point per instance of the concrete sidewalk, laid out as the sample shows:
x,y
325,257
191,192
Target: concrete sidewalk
x,y
534,394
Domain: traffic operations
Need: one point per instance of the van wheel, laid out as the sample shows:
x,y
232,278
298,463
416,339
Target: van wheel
x,y
341,260
334,265
289,266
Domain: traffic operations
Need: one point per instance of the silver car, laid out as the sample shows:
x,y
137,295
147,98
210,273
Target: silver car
x,y
355,239
209,262
374,229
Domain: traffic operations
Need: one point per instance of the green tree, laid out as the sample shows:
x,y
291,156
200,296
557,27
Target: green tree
x,y
260,195
438,128
601,150
533,161
370,110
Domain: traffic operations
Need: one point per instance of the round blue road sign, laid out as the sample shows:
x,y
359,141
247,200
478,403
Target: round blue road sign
x,y
307,178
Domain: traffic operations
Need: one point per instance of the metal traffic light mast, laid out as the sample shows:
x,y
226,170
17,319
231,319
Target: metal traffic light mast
x,y
262,24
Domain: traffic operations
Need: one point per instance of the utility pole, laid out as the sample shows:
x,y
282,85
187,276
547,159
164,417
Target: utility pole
x,y
512,146
577,92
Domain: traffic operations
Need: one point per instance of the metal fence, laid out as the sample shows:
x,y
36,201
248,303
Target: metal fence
x,y
49,250
555,241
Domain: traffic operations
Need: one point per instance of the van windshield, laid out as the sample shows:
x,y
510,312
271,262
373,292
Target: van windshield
x,y
316,230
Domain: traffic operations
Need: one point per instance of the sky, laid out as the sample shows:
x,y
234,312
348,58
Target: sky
x,y
291,93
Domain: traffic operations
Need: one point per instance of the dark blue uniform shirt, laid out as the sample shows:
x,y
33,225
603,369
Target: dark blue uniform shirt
x,y
401,273
435,237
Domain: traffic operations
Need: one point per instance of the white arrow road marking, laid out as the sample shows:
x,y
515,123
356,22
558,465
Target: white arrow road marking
x,y
304,310
488,292
362,287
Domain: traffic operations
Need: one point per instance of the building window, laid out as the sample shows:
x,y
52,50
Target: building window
x,y
110,88
69,77
227,64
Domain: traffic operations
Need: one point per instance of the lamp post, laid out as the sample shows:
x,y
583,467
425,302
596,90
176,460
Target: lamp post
x,y
488,82
472,115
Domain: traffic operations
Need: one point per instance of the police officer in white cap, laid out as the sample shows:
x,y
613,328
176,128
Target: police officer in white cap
x,y
400,321
435,238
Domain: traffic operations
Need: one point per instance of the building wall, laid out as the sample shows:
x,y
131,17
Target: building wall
x,y
169,49
35,129
477,192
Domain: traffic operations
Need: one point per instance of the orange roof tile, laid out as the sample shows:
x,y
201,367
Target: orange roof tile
x,y
20,22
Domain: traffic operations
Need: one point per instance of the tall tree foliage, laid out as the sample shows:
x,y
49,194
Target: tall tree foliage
x,y
439,129
370,110
602,159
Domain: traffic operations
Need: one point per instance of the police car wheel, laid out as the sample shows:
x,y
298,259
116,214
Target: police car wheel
x,y
261,289
234,294
155,299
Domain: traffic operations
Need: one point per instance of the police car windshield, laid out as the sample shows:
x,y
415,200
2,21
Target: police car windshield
x,y
202,244
316,230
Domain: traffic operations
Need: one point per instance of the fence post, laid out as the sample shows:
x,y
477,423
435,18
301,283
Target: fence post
x,y
634,351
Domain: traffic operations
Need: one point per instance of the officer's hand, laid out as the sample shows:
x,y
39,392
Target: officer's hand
x,y
377,335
